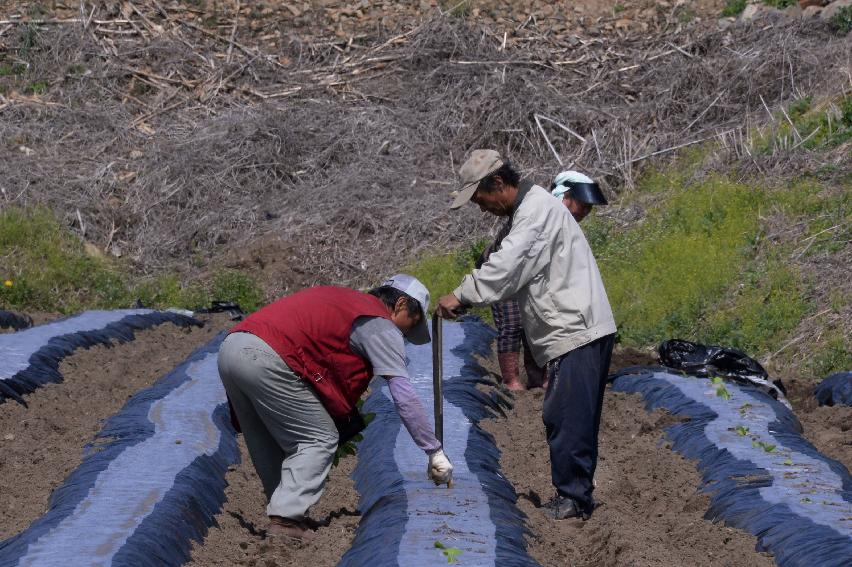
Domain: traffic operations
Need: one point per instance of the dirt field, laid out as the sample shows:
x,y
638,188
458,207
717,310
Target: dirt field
x,y
65,417
650,513
277,138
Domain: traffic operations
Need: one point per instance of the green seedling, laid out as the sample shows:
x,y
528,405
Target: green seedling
x,y
723,393
451,553
716,380
744,408
788,462
741,430
768,447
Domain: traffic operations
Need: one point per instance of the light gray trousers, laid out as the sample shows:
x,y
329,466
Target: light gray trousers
x,y
290,436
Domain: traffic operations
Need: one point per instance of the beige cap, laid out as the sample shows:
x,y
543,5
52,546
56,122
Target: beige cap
x,y
478,166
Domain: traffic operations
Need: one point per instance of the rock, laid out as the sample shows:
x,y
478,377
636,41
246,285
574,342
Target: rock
x,y
832,9
811,12
725,23
9,437
750,13
793,12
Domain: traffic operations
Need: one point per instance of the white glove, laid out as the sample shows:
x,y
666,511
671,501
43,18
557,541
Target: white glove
x,y
440,469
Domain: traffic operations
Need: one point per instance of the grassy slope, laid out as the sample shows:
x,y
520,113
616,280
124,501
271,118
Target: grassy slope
x,y
701,263
46,268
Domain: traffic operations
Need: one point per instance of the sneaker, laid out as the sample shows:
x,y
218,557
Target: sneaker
x,y
286,528
563,507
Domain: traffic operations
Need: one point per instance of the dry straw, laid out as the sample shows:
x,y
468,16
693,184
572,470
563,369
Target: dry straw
x,y
167,140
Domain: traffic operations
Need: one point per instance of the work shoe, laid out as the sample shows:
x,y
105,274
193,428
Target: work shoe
x,y
286,528
563,507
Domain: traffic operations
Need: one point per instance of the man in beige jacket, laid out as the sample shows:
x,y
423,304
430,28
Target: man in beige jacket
x,y
546,264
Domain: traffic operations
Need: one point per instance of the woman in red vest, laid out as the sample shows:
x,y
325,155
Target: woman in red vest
x,y
295,370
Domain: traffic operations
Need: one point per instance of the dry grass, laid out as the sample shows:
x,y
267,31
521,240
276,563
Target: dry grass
x,y
169,142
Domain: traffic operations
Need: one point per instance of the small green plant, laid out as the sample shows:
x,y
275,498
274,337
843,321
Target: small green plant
x,y
36,88
744,408
768,447
617,9
741,430
733,8
721,390
30,40
788,462
230,285
451,553
842,20
458,8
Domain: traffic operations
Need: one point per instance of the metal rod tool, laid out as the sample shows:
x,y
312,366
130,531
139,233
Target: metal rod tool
x,y
438,375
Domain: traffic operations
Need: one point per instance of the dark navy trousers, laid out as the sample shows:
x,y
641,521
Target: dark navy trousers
x,y
572,417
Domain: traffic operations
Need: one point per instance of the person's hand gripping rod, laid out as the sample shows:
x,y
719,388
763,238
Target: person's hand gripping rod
x,y
440,469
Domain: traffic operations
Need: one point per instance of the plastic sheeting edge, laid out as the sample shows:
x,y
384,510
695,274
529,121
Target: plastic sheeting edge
x,y
734,484
188,508
44,364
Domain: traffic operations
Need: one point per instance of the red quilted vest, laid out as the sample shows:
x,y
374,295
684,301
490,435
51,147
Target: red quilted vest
x,y
310,331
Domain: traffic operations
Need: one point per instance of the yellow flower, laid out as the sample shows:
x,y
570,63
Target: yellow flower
x,y
8,283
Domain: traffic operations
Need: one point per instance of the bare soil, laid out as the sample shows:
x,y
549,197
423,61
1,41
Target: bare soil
x,y
240,536
649,513
62,418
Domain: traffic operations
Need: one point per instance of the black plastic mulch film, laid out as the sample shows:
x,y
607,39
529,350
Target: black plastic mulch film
x,y
761,474
835,390
150,483
30,358
386,493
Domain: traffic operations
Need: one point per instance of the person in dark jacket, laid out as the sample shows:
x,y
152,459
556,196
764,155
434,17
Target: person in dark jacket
x,y
294,372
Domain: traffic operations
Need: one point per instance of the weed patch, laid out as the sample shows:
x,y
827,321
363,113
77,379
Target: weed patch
x,y
733,7
46,268
842,20
832,355
441,273
664,274
768,301
826,126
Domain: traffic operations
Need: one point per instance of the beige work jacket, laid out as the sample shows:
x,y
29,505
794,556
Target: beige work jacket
x,y
545,264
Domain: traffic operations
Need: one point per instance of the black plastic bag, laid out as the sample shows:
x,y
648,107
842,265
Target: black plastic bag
x,y
16,321
710,360
835,390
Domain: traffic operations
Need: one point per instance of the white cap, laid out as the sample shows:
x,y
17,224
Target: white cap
x,y
412,287
562,180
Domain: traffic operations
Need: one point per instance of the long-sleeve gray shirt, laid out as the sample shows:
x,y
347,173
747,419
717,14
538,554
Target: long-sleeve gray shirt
x,y
381,342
